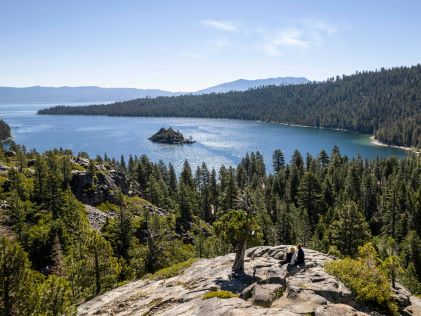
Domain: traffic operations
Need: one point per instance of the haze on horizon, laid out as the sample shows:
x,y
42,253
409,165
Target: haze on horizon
x,y
191,45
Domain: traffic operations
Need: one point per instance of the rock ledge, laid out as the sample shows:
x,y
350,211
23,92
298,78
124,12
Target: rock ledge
x,y
267,288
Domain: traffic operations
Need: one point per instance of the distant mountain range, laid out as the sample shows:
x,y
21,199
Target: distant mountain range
x,y
95,94
243,84
76,94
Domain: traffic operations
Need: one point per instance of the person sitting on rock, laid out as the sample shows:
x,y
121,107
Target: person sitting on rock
x,y
300,259
291,256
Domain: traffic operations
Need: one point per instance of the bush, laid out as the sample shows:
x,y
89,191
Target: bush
x,y
219,294
365,279
171,271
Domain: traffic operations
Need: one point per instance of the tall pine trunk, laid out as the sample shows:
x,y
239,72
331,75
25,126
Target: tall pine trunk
x,y
238,266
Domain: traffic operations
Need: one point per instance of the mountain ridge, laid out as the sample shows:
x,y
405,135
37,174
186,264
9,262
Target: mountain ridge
x,y
96,93
245,84
76,94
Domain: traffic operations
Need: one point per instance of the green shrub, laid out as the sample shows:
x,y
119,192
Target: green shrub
x,y
171,271
366,279
219,294
333,251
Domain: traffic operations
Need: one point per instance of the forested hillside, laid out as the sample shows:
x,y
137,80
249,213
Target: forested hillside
x,y
58,251
4,131
386,103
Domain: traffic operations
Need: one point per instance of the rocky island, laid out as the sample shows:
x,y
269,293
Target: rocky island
x,y
170,136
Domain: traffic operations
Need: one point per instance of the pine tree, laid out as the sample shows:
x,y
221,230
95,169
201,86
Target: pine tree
x,y
123,163
40,179
310,197
323,158
55,298
17,292
186,176
278,161
186,207
101,262
91,266
18,212
350,230
286,223
58,258
172,180
239,228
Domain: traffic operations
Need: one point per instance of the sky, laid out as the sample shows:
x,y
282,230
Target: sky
x,y
187,45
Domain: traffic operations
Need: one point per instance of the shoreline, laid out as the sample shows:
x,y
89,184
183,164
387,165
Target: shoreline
x,y
8,139
373,140
305,126
376,142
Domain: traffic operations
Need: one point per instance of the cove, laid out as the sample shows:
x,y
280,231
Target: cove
x,y
218,141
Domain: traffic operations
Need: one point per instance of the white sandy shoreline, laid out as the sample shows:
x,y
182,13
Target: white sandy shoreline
x,y
376,142
373,140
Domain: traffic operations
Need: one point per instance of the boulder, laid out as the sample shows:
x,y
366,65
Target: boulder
x,y
303,302
4,168
264,294
10,153
337,310
31,162
401,296
323,284
414,308
82,161
248,292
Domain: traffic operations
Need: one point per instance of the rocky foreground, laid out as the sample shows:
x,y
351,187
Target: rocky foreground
x,y
267,289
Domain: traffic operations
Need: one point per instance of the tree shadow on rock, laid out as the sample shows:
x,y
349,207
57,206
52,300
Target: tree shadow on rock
x,y
236,283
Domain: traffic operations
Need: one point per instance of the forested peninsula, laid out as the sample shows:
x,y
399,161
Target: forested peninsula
x,y
5,133
385,103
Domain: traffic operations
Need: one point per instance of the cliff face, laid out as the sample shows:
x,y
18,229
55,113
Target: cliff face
x,y
267,288
94,190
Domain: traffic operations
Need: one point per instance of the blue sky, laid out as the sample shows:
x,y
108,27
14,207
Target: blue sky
x,y
189,45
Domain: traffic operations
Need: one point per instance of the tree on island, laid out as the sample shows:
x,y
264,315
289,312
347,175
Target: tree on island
x,y
169,136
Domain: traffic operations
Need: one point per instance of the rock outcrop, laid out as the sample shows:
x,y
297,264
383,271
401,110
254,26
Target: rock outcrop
x,y
267,288
96,217
103,186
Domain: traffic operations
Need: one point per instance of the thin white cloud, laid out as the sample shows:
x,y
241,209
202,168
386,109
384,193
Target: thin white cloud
x,y
290,34
304,34
225,26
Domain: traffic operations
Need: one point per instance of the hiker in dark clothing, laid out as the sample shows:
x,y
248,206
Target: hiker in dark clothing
x,y
289,256
300,256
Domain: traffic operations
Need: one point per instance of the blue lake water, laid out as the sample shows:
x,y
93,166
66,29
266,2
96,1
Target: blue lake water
x,y
217,141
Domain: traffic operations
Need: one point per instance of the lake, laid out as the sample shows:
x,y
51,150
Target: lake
x,y
218,141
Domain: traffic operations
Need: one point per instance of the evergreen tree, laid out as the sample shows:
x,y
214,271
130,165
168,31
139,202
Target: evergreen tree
x,y
239,228
310,197
172,180
278,161
40,179
55,298
17,292
286,222
350,229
